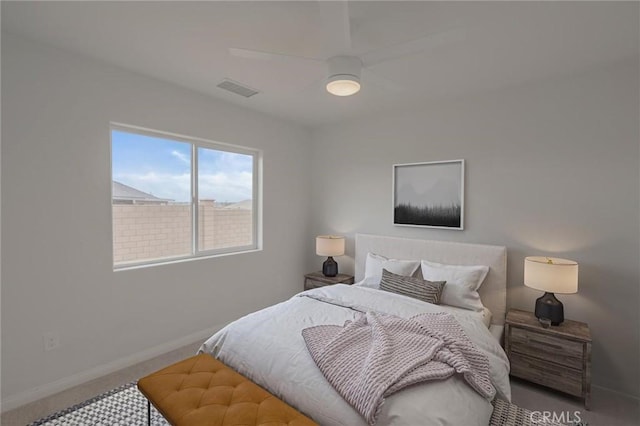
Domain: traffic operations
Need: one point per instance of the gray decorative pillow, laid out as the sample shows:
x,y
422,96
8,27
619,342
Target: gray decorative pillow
x,y
428,291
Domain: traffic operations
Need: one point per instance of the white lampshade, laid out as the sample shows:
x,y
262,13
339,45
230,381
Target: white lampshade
x,y
551,274
329,245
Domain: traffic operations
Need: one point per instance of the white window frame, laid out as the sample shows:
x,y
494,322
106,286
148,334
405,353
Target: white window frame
x,y
196,143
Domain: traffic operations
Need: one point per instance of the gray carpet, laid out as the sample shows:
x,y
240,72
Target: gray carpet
x,y
126,406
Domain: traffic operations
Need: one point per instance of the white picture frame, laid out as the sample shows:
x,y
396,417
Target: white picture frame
x,y
429,195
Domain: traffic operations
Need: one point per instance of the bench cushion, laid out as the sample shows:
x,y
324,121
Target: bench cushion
x,y
203,391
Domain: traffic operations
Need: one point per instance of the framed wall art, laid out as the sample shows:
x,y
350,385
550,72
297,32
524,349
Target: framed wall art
x,y
429,194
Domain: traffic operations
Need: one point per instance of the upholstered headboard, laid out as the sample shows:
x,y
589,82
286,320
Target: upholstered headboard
x,y
493,291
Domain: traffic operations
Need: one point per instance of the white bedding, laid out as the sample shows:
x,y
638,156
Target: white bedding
x,y
268,348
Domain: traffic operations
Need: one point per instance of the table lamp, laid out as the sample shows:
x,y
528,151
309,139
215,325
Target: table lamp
x,y
329,245
551,275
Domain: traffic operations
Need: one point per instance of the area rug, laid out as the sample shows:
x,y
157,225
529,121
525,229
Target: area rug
x,y
126,406
122,406
507,414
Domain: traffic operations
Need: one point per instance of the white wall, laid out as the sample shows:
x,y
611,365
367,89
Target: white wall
x,y
551,168
56,242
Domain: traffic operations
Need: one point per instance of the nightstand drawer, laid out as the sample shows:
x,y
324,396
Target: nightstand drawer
x,y
309,284
550,348
317,279
547,374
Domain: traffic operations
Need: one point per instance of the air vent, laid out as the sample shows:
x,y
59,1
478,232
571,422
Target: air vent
x,y
237,88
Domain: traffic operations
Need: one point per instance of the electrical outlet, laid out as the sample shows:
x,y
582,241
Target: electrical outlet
x,y
51,340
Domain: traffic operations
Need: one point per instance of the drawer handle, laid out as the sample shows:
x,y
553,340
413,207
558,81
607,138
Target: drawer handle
x,y
546,344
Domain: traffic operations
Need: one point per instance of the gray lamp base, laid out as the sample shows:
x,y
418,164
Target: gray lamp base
x,y
330,267
550,308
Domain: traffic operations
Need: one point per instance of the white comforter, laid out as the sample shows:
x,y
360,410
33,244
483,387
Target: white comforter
x,y
268,348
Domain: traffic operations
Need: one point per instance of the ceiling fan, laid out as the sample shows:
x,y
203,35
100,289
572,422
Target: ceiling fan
x,y
346,70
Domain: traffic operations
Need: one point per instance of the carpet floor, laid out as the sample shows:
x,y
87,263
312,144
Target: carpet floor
x,y
126,406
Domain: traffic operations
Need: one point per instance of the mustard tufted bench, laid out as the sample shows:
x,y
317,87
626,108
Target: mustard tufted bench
x,y
202,391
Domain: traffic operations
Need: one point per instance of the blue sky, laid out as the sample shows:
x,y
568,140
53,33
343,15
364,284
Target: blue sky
x,y
162,167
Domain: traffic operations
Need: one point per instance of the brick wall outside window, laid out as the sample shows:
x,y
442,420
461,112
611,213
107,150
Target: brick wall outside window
x,y
155,231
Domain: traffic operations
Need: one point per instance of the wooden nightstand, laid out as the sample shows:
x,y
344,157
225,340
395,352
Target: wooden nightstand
x,y
558,357
316,279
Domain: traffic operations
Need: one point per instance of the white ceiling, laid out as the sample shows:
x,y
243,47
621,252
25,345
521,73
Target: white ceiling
x,y
187,43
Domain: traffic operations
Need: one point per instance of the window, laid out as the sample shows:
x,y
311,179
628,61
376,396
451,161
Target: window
x,y
175,197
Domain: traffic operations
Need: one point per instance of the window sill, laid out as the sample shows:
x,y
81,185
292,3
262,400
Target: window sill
x,y
162,262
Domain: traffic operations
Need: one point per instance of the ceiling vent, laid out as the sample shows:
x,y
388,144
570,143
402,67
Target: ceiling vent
x,y
237,88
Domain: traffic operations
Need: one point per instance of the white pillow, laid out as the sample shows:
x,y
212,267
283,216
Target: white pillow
x,y
462,285
376,263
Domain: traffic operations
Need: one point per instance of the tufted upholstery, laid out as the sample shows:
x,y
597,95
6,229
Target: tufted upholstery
x,y
202,391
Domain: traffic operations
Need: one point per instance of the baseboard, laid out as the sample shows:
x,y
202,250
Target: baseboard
x,y
39,392
617,392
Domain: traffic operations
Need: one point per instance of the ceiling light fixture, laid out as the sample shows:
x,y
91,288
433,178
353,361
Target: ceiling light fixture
x,y
344,75
343,85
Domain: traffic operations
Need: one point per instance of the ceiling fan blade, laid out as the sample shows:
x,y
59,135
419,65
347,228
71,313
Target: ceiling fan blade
x,y
336,22
316,86
268,56
370,77
413,47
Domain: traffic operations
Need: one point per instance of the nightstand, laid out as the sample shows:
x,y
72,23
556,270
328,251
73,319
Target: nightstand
x,y
317,279
558,357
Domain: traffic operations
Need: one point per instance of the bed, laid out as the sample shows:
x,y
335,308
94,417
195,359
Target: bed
x,y
267,346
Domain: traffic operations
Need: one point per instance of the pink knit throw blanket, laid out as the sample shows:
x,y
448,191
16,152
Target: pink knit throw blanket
x,y
377,354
